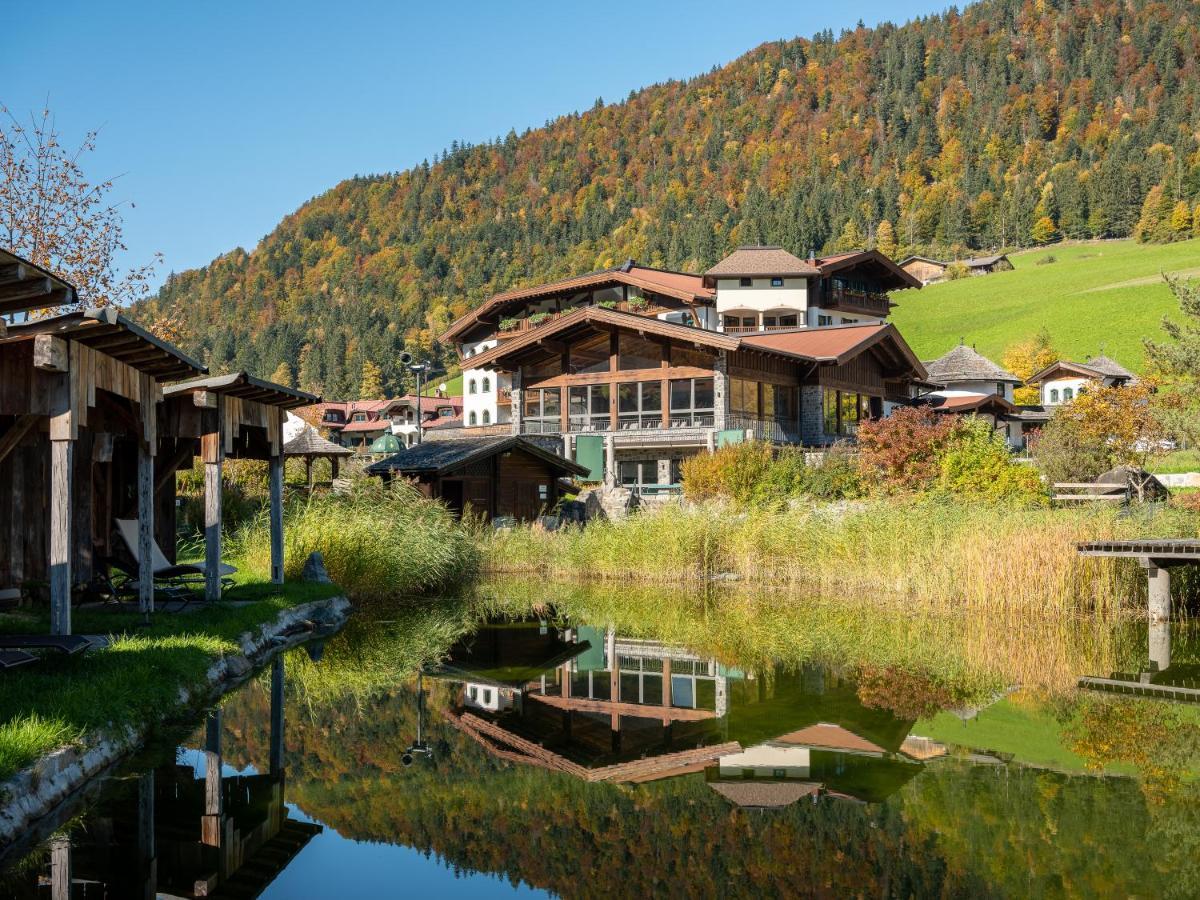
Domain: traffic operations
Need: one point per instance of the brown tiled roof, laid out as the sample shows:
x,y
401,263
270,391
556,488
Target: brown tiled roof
x,y
963,363
831,737
680,285
368,425
839,343
965,403
753,794
761,261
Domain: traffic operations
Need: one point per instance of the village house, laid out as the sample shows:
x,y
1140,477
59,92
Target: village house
x,y
931,271
632,369
1062,381
971,384
358,424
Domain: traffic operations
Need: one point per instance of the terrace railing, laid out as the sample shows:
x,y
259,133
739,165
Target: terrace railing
x,y
765,429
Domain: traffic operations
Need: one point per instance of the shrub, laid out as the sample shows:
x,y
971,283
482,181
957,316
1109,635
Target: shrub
x,y
976,463
955,271
755,474
900,453
836,476
1046,260
730,473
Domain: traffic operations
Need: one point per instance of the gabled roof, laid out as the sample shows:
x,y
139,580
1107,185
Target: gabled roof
x,y
761,261
975,262
108,332
1099,368
25,286
437,457
680,285
924,259
246,387
965,403
309,443
586,315
963,363
375,424
836,345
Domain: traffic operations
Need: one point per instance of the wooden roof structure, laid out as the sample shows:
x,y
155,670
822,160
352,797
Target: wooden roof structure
x,y
245,387
25,286
107,331
679,285
308,443
1099,368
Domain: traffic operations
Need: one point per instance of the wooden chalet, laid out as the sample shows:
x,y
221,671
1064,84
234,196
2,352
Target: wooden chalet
x,y
505,476
613,386
89,434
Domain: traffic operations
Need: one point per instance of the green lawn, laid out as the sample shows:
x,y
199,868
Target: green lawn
x,y
454,386
136,680
1102,296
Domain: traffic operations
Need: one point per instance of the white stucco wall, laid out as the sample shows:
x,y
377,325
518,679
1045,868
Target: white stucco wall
x,y
476,404
978,387
1059,384
795,761
761,297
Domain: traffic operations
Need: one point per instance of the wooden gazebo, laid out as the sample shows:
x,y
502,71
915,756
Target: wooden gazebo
x,y
310,446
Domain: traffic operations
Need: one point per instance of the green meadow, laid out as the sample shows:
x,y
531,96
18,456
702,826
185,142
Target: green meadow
x,y
1095,297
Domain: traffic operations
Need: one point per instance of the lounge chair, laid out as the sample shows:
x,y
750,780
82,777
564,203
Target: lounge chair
x,y
180,578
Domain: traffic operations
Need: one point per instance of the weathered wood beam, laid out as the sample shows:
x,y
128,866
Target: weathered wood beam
x,y
212,447
26,288
50,353
145,519
171,466
16,433
205,399
275,479
13,272
61,452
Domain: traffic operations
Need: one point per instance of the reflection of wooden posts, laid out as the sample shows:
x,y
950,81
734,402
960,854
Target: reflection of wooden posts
x,y
275,476
276,761
210,828
147,854
212,449
666,690
614,687
60,868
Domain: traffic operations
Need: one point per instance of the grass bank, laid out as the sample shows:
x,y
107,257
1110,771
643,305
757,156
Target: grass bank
x,y
942,554
137,679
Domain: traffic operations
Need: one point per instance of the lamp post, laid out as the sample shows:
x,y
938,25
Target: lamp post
x,y
420,368
418,747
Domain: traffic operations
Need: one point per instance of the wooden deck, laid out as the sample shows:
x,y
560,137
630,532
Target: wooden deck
x,y
1182,550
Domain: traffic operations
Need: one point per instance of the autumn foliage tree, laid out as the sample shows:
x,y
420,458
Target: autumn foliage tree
x,y
54,215
901,452
1027,357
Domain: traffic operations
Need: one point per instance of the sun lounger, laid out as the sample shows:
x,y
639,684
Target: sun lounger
x,y
64,643
10,659
186,576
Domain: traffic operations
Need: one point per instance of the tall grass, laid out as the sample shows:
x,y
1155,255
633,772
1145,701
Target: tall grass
x,y
378,542
947,554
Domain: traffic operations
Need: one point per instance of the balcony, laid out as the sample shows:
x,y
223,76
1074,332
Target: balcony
x,y
771,430
865,303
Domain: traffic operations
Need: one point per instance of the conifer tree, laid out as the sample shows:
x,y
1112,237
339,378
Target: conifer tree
x,y
370,386
283,375
885,240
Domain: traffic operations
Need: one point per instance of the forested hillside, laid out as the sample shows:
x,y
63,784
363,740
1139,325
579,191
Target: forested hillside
x,y
1006,124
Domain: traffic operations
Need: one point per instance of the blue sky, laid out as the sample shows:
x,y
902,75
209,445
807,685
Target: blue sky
x,y
223,117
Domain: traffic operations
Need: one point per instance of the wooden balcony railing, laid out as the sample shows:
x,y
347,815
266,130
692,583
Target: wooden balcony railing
x,y
857,301
765,429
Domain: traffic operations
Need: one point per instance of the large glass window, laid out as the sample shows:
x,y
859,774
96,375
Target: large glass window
x,y
743,397
639,405
543,408
691,402
589,406
637,472
590,356
844,411
637,353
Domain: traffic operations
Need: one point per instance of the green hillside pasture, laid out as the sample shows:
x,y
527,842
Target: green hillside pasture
x,y
1096,297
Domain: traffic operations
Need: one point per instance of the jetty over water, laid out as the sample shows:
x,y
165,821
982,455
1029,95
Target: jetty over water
x,y
1157,557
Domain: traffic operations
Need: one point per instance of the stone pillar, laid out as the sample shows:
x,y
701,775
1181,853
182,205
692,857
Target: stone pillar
x,y
610,461
566,451
1160,592
812,416
518,406
720,391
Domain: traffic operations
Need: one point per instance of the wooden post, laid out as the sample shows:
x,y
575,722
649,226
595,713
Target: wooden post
x,y
276,761
61,462
145,496
60,868
308,466
212,446
275,476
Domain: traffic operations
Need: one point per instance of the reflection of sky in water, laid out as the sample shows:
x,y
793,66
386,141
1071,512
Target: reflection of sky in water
x,y
334,866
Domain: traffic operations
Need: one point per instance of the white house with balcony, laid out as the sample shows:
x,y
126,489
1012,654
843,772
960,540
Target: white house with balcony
x,y
968,383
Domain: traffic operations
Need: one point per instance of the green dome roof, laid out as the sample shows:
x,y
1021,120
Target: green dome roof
x,y
385,443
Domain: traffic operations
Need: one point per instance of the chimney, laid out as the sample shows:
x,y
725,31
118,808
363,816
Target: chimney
x,y
628,265
812,255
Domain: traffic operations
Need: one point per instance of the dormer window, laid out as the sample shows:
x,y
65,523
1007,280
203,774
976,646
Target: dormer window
x,y
745,282
776,282
360,417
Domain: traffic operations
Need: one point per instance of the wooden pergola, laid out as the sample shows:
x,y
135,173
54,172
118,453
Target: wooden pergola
x,y
310,446
236,416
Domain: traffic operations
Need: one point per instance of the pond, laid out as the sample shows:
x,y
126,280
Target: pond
x,y
584,741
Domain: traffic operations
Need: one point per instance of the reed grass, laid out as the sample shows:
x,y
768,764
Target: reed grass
x,y
925,552
377,542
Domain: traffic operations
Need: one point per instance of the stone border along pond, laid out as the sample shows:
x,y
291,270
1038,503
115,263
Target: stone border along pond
x,y
37,791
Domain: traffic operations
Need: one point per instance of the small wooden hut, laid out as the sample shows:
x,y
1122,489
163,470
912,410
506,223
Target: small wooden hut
x,y
501,476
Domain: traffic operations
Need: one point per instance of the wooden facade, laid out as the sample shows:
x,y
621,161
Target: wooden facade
x,y
505,477
89,436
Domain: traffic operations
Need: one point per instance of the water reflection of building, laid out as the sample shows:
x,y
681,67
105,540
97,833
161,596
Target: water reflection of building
x,y
600,706
180,830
